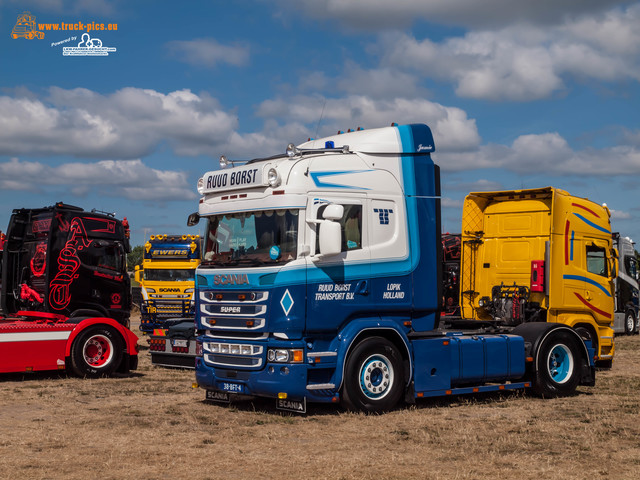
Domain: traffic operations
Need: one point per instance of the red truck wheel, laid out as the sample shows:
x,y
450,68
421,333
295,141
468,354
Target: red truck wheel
x,y
96,352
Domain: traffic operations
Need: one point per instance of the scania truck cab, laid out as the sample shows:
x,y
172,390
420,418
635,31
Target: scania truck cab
x,y
167,279
321,281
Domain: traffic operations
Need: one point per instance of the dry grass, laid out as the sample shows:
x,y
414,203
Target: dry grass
x,y
154,425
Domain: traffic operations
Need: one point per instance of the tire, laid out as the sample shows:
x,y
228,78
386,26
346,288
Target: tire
x,y
96,352
629,323
558,365
374,380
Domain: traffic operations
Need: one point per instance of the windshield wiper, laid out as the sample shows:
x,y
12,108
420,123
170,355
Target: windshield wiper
x,y
210,263
247,261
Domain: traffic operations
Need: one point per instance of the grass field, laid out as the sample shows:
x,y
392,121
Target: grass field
x,y
154,425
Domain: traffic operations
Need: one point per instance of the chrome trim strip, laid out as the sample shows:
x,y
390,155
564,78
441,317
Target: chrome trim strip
x,y
322,354
321,386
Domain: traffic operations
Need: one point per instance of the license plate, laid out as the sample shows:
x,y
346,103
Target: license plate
x,y
180,343
297,406
217,396
231,387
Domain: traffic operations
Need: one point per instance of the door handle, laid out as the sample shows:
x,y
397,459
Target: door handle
x,y
362,288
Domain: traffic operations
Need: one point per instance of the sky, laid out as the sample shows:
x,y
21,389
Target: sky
x,y
519,94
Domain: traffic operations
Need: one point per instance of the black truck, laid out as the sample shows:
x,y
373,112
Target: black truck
x,y
66,261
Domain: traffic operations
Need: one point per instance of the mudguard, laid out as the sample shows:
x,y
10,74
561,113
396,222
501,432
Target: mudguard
x,y
535,333
349,336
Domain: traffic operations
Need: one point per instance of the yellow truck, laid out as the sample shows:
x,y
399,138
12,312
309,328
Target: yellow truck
x,y
167,279
540,255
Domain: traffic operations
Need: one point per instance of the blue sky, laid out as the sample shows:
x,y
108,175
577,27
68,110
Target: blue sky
x,y
519,94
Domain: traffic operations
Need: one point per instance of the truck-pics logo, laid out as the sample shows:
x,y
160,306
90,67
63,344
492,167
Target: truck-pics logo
x,y
26,27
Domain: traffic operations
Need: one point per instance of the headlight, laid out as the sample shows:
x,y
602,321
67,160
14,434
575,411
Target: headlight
x,y
224,162
273,178
200,185
150,290
285,355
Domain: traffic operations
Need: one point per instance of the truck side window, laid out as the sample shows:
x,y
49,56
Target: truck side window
x,y
597,260
631,266
351,226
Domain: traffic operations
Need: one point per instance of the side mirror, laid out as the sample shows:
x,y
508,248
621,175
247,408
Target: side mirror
x,y
330,238
193,219
138,273
333,212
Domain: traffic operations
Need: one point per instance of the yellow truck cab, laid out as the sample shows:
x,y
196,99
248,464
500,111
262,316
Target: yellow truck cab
x,y
540,255
167,279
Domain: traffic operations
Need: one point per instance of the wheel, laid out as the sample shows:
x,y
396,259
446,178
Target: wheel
x,y
96,352
373,376
629,323
557,366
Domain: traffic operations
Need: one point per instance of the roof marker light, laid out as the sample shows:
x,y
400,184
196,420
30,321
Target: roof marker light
x,y
292,150
329,144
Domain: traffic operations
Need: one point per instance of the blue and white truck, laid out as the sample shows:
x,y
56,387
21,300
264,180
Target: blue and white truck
x,y
321,281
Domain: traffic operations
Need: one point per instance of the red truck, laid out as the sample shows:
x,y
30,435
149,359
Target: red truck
x,y
66,294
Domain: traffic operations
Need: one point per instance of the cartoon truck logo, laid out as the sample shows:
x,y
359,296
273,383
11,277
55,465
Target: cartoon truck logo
x,y
26,27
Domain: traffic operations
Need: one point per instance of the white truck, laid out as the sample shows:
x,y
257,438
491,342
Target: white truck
x,y
625,318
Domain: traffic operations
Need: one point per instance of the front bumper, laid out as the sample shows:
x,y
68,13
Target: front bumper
x,y
271,381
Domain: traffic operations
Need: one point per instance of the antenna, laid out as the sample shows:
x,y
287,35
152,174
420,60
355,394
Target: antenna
x,y
320,119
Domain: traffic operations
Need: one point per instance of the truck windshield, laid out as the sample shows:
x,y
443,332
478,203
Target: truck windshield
x,y
169,274
250,239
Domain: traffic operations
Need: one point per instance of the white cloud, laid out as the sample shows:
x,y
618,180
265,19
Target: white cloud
x,y
481,185
453,130
128,123
524,62
381,14
619,214
547,153
127,178
207,52
447,202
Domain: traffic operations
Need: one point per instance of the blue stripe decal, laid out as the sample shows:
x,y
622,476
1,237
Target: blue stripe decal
x,y
591,224
319,183
571,251
587,280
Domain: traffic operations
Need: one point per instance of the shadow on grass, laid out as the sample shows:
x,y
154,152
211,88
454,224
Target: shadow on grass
x,y
57,375
495,399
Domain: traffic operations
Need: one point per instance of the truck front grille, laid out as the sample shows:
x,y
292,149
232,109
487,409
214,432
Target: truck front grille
x,y
238,311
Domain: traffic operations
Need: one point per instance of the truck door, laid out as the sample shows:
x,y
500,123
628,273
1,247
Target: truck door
x,y
338,286
589,284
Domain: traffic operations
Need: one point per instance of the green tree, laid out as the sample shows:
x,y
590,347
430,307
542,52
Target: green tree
x,y
134,257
